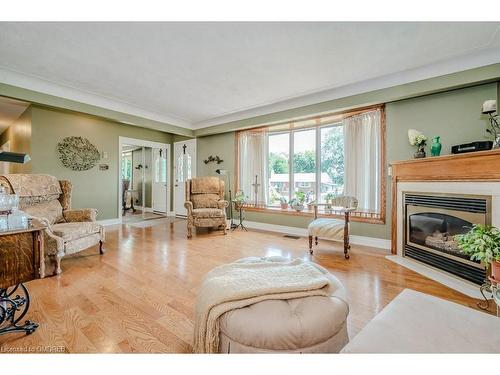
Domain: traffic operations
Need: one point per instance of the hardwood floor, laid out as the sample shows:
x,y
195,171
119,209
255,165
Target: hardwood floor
x,y
139,296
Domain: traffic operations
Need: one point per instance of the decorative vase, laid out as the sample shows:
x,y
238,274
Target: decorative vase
x,y
420,153
298,207
436,146
495,270
496,142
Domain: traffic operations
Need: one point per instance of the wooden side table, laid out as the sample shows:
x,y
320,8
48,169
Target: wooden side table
x,y
21,260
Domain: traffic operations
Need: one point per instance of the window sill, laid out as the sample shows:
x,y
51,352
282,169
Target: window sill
x,y
356,216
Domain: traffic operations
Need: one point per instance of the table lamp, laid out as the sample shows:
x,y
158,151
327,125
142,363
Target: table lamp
x,y
14,157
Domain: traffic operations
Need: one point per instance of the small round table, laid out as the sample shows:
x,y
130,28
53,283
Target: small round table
x,y
241,216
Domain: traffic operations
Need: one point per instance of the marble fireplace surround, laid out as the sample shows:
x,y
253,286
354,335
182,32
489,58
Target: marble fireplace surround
x,y
474,173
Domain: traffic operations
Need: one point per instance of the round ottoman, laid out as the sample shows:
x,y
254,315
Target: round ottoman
x,y
302,325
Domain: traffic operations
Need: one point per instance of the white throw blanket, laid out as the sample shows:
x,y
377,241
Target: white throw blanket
x,y
243,283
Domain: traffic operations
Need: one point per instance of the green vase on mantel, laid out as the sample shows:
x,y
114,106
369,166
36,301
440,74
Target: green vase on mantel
x,y
436,146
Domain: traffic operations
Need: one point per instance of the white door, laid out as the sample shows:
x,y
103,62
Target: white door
x,y
160,175
184,169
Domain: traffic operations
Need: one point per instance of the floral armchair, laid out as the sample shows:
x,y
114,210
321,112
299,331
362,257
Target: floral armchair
x,y
48,200
205,204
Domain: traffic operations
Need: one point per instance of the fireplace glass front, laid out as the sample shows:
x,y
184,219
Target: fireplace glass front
x,y
432,221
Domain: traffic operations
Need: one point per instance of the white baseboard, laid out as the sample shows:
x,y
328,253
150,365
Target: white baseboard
x,y
107,222
354,239
276,228
302,232
147,209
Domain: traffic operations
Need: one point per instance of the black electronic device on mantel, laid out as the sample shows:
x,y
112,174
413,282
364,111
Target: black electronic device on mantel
x,y
472,147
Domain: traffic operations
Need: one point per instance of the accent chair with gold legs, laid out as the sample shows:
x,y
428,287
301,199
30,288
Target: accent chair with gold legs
x,y
48,200
330,228
205,204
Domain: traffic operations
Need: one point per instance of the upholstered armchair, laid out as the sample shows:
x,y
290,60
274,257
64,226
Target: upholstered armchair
x,y
205,204
330,228
48,200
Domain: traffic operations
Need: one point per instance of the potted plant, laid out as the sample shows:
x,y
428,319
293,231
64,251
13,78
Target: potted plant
x,y
328,198
310,205
238,200
295,205
274,196
418,140
283,203
482,243
298,201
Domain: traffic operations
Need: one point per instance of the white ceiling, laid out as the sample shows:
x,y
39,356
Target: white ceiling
x,y
10,110
200,74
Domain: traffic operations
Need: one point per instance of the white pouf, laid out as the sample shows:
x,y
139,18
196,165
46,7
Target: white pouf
x,y
415,322
302,325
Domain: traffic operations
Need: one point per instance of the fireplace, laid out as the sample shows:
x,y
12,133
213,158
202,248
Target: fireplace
x,y
430,222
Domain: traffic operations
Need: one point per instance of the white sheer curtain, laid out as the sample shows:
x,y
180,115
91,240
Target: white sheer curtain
x,y
362,143
253,162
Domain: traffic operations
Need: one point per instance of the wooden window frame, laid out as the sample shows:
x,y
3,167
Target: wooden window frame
x,y
356,216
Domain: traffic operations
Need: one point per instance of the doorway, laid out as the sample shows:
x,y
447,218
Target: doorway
x,y
143,180
159,197
184,169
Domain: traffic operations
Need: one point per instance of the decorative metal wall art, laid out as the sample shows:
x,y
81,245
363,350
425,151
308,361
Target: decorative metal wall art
x,y
77,153
212,159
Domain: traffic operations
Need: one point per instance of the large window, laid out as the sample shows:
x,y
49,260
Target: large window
x,y
304,164
332,161
316,158
279,168
317,181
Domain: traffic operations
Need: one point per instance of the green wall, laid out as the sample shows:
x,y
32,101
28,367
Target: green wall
x,y
92,188
221,145
454,115
47,100
453,81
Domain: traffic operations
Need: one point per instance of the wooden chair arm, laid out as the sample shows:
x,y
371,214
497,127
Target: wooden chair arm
x,y
189,206
339,209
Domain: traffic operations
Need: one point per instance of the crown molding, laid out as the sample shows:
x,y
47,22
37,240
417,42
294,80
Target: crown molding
x,y
210,126
40,85
453,65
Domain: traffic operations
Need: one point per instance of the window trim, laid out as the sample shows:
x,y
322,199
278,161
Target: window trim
x,y
356,216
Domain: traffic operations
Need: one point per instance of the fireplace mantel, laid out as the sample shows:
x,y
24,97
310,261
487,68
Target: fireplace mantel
x,y
481,165
473,166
